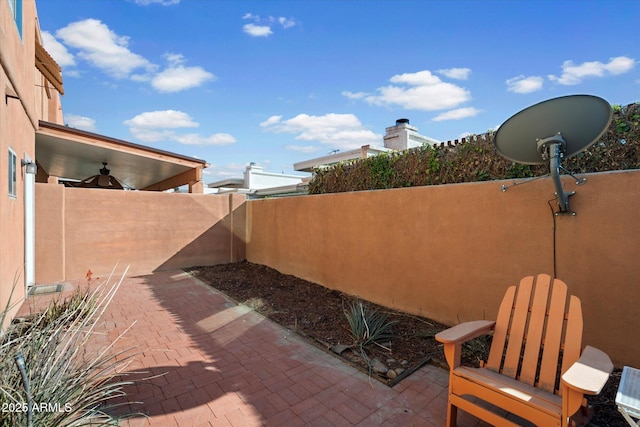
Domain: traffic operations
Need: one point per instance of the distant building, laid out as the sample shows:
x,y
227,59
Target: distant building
x,y
258,183
401,136
338,157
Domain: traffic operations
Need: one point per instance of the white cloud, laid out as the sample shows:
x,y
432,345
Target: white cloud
x,y
416,91
286,22
620,65
151,135
522,84
338,130
174,58
154,126
262,27
421,78
80,122
162,119
456,73
160,2
354,95
177,77
196,139
457,114
230,170
257,30
573,74
103,48
271,121
57,50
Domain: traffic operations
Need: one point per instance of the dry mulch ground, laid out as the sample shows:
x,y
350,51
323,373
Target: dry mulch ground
x,y
318,314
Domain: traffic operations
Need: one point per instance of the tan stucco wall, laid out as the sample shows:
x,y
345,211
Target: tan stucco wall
x,y
50,233
449,252
17,71
88,229
20,139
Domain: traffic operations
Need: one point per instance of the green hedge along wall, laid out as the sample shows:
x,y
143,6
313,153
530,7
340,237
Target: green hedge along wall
x,y
476,159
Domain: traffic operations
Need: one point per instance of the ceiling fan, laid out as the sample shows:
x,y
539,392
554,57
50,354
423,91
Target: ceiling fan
x,y
102,180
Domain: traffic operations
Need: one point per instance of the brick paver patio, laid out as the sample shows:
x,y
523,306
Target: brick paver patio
x,y
215,363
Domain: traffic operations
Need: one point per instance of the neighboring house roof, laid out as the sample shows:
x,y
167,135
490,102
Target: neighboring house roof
x,y
227,183
258,183
401,136
285,190
76,154
341,156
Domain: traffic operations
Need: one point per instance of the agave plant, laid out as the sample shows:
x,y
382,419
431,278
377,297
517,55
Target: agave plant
x,y
48,374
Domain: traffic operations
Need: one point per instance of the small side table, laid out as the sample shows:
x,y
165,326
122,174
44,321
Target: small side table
x,y
628,396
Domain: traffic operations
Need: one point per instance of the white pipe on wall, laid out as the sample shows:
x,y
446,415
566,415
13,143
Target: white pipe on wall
x,y
29,225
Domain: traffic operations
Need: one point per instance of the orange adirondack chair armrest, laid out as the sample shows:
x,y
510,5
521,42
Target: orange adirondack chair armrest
x,y
590,372
465,331
453,338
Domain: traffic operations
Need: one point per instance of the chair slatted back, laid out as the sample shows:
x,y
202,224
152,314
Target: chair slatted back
x,y
538,332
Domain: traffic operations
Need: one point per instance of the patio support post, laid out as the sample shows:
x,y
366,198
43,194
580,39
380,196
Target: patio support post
x,y
196,187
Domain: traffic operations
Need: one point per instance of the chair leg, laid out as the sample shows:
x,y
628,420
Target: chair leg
x,y
452,415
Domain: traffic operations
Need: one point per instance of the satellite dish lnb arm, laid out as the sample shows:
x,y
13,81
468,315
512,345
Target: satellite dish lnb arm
x,y
552,148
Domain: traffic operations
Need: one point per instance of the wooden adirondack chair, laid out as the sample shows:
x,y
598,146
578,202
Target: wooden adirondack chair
x,y
535,367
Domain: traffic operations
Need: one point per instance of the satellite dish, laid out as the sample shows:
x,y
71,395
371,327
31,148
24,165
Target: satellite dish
x,y
552,130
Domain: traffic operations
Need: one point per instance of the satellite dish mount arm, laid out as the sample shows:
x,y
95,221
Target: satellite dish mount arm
x,y
552,149
551,131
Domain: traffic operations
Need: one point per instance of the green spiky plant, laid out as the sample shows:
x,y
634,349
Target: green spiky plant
x,y
368,326
68,384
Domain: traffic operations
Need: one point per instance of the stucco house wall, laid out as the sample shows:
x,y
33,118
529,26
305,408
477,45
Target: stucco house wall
x,y
23,102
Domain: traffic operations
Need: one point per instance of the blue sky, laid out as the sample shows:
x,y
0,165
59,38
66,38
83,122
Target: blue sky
x,y
278,82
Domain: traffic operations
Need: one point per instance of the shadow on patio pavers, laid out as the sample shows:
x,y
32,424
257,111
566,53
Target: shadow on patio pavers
x,y
210,362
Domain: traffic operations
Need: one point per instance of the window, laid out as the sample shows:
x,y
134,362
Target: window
x,y
12,173
16,11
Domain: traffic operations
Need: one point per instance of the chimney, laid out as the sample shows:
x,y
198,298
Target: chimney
x,y
397,137
403,136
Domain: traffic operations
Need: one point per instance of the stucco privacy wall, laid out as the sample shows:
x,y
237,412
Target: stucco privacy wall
x,y
449,252
81,229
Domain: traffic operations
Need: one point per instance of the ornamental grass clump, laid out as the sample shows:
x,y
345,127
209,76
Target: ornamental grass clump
x,y
368,326
50,376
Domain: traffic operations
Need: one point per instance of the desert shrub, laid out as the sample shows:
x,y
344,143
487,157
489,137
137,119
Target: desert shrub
x,y
63,381
368,326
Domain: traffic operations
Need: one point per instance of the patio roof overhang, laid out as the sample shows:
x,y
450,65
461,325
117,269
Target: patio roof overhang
x,y
75,154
